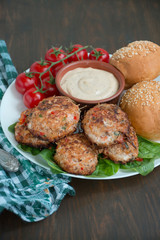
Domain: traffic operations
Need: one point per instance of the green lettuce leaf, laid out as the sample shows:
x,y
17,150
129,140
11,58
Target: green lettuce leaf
x,y
105,168
47,154
11,128
148,151
32,150
143,168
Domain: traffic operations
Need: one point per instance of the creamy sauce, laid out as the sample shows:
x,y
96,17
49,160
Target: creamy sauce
x,y
89,83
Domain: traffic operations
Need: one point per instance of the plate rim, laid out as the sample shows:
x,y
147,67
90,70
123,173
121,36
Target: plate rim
x,y
46,166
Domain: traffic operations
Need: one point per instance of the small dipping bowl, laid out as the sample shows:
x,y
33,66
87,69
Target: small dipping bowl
x,y
97,65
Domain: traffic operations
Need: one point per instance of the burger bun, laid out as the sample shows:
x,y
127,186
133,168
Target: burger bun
x,y
139,61
142,105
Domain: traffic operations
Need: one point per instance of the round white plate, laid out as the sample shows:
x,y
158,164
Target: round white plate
x,y
11,108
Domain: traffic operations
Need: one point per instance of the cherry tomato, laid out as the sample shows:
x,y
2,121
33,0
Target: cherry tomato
x,y
40,67
81,55
55,54
99,54
55,70
50,87
31,98
25,81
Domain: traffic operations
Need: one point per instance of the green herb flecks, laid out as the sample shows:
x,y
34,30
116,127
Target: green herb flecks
x,y
148,151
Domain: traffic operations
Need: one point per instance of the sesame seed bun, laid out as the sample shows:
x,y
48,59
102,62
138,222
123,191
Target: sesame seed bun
x,y
142,105
139,61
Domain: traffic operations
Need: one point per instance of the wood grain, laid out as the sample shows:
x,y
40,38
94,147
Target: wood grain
x,y
115,209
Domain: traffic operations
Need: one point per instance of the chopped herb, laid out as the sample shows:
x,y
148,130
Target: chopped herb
x,y
64,127
126,145
116,133
40,115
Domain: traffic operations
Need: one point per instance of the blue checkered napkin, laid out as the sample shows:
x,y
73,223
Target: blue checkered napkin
x,y
33,193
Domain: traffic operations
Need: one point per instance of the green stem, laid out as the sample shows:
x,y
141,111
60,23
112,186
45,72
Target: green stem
x,y
54,63
62,60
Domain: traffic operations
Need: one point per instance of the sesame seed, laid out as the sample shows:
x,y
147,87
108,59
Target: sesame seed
x,y
142,48
143,93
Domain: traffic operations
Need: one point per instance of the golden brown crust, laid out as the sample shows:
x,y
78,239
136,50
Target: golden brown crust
x,y
75,154
105,124
23,135
142,105
138,61
125,151
54,118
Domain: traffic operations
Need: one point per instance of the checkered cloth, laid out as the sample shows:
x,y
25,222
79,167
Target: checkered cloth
x,y
33,192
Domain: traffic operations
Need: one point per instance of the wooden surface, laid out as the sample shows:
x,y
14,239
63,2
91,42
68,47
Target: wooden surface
x,y
114,209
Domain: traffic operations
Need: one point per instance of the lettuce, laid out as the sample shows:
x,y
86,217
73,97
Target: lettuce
x,y
148,151
11,128
47,155
143,168
31,150
105,168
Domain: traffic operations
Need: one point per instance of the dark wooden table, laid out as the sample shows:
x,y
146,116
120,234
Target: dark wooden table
x,y
126,208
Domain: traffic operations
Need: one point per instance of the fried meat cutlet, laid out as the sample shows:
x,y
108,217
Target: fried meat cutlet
x,y
23,135
54,118
105,124
75,154
125,151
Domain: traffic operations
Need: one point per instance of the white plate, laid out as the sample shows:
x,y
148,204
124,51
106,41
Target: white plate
x,y
11,108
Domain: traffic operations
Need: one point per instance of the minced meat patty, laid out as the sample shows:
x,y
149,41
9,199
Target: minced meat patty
x,y
125,151
75,154
54,118
23,135
105,124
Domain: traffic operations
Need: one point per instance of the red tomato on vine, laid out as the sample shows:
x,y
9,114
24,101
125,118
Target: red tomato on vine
x,y
25,81
55,54
99,54
49,86
32,97
40,67
81,55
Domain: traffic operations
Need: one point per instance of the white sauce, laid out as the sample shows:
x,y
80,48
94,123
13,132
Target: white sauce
x,y
89,83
